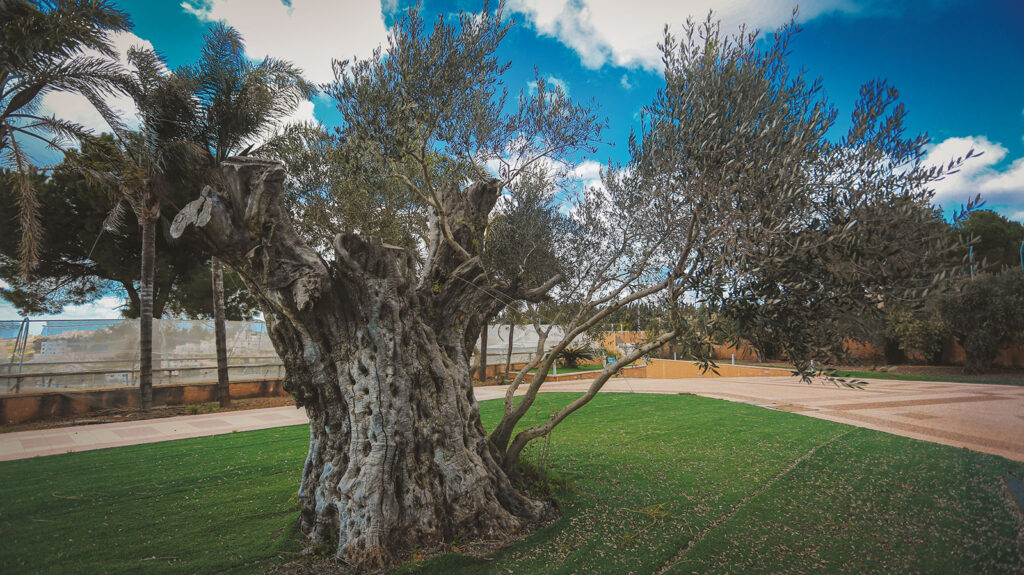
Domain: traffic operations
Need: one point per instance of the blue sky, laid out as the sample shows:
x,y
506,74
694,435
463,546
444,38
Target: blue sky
x,y
958,64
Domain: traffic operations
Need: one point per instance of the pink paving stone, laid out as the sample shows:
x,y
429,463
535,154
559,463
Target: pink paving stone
x,y
270,417
914,415
209,423
133,432
52,441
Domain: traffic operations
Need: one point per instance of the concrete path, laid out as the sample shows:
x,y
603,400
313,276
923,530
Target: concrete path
x,y
982,417
988,418
22,444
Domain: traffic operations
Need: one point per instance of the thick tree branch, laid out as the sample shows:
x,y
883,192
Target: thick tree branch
x,y
246,226
523,438
538,293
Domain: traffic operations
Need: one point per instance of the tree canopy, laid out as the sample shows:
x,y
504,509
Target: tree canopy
x,y
985,314
996,240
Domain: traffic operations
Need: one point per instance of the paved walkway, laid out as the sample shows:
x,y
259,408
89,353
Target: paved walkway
x,y
987,418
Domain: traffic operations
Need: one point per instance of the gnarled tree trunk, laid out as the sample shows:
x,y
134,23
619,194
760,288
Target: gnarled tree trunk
x,y
378,354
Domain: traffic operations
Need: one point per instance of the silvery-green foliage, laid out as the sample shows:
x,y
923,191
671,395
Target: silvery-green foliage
x,y
441,92
793,229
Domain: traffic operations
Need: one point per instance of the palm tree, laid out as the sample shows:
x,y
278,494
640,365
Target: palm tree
x,y
65,46
50,46
149,161
239,103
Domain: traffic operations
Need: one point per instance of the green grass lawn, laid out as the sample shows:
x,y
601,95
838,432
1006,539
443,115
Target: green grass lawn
x,y
994,379
652,474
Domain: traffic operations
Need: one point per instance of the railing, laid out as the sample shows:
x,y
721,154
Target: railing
x,y
128,377
34,367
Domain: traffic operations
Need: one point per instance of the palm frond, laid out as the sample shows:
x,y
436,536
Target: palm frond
x,y
28,209
45,31
114,222
44,48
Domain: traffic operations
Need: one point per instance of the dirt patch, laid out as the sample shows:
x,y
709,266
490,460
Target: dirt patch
x,y
131,414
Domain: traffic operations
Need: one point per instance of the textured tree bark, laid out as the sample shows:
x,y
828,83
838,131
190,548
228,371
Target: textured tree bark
x,y
483,352
220,335
378,355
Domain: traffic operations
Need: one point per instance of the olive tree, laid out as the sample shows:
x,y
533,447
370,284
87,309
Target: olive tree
x,y
734,198
377,344
736,202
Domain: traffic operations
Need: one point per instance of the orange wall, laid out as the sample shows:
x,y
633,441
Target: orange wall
x,y
1010,356
726,350
612,339
496,369
629,371
672,369
953,354
864,352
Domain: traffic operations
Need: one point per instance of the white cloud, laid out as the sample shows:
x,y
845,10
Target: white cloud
x,y
75,108
627,33
303,113
1018,216
108,307
979,175
625,82
588,170
308,33
552,83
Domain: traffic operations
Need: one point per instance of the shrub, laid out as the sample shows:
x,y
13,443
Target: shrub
x,y
572,355
986,314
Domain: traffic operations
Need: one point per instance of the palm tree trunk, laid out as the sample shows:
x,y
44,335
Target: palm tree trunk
x,y
508,355
146,313
223,385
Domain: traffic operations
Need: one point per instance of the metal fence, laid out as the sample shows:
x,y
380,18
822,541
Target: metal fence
x,y
40,355
83,354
